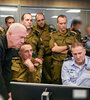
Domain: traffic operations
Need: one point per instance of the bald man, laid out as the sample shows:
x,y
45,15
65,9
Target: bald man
x,y
25,68
45,31
13,39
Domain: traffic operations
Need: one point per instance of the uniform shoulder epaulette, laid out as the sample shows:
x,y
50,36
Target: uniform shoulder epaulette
x,y
37,32
67,59
1,29
51,28
15,58
73,33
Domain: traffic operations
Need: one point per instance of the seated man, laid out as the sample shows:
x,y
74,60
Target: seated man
x,y
25,68
76,70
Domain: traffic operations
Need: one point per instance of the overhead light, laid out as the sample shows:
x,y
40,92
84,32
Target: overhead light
x,y
54,16
53,9
73,11
8,9
33,14
6,15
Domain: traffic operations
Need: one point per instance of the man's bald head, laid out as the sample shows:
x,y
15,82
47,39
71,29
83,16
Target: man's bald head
x,y
38,14
15,27
24,46
26,51
16,35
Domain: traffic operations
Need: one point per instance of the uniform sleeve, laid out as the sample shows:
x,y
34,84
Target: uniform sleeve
x,y
3,82
35,76
65,76
7,75
51,42
76,40
40,48
38,74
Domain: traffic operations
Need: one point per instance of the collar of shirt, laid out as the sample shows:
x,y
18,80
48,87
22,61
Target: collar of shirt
x,y
43,28
66,34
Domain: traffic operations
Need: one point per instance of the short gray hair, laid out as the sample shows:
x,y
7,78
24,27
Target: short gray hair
x,y
15,26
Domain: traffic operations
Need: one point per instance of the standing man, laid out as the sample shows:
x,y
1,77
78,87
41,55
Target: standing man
x,y
13,39
45,30
60,44
32,37
26,68
8,22
75,28
76,70
86,40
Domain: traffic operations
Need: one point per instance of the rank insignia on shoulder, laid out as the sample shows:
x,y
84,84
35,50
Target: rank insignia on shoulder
x,y
51,28
37,32
70,58
15,58
73,33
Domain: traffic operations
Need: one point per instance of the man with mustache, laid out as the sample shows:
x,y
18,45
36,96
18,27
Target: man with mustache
x,y
33,35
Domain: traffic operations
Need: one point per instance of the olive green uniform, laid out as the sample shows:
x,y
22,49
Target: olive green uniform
x,y
57,58
22,74
45,52
34,41
2,31
77,35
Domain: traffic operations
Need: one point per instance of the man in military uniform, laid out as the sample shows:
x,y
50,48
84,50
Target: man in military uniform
x,y
75,28
44,30
8,22
76,70
25,68
32,37
86,40
2,32
60,43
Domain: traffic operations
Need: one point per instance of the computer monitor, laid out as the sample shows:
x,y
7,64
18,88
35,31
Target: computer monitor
x,y
35,91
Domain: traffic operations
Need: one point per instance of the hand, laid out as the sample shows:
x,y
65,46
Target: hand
x,y
10,96
55,47
29,64
70,47
55,44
